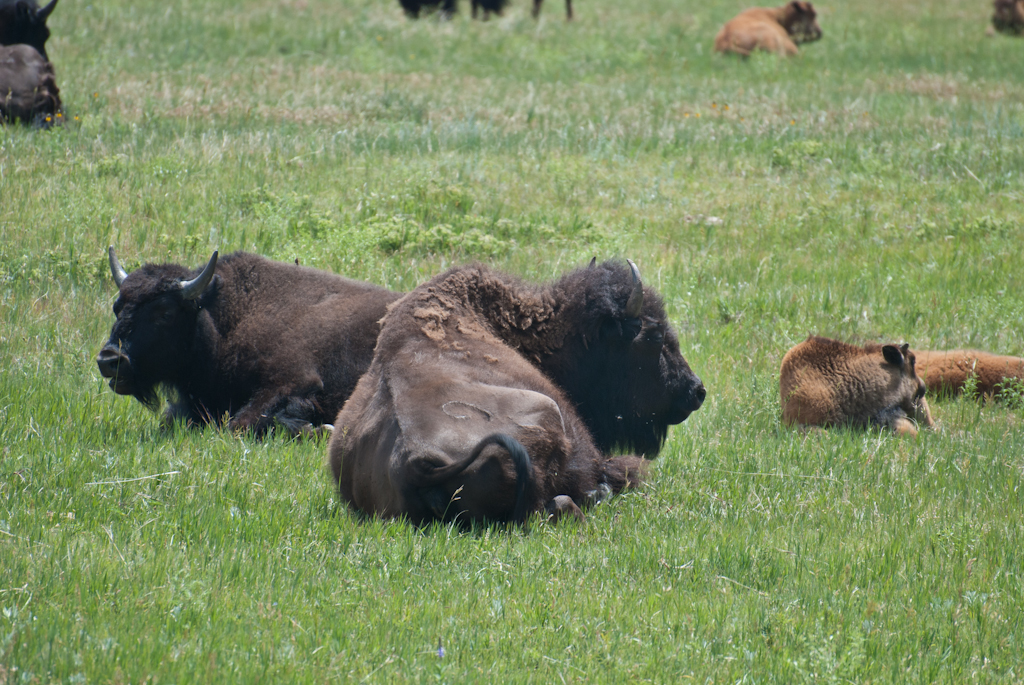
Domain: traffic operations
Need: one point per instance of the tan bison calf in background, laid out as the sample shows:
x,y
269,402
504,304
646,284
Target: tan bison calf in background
x,y
772,29
947,371
1008,17
826,382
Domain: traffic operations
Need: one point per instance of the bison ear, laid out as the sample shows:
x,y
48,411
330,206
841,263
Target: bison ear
x,y
893,355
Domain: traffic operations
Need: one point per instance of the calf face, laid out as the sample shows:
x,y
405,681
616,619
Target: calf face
x,y
801,22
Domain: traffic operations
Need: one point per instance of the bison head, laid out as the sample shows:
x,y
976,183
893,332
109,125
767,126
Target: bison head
x,y
22,21
623,370
156,309
911,388
800,21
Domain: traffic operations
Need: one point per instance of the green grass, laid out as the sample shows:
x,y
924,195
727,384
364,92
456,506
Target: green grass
x,y
871,189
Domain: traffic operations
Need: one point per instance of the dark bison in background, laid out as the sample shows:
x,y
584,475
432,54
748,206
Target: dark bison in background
x,y
28,90
450,7
482,387
412,8
262,342
23,21
1008,17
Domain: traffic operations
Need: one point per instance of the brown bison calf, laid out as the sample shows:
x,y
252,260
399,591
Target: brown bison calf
x,y
826,382
948,371
1008,17
772,29
28,91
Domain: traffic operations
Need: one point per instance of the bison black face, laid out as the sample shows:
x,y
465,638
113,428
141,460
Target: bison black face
x,y
156,312
629,381
22,21
803,25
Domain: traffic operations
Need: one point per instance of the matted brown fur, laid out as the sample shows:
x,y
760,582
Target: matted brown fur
x,y
28,88
826,382
1008,17
946,372
474,352
772,29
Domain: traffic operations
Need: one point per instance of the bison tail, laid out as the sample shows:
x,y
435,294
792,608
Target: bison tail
x,y
431,474
522,464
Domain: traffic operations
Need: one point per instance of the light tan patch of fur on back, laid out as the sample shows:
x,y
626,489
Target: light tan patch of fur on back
x,y
434,318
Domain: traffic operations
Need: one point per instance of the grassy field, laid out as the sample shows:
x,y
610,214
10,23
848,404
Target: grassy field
x,y
871,189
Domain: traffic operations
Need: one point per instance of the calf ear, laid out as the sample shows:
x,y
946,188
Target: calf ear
x,y
893,355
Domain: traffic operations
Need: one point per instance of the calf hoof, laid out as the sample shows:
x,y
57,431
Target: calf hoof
x,y
905,427
562,506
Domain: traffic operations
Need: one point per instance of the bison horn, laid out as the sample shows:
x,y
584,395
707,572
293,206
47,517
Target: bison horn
x,y
190,290
116,270
635,303
45,11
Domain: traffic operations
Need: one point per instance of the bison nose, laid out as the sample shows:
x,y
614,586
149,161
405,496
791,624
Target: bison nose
x,y
700,393
110,359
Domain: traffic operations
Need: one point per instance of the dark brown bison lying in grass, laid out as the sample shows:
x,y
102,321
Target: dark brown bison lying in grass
x,y
473,406
947,372
1008,17
447,8
28,90
262,342
772,29
24,22
825,383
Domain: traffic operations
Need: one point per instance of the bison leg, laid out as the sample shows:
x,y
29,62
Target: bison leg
x,y
296,415
568,10
536,8
904,427
563,506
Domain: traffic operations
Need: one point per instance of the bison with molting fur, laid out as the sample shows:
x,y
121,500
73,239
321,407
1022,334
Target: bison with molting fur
x,y
23,21
772,29
826,382
28,90
477,403
262,342
947,372
1008,17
